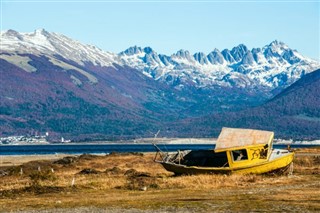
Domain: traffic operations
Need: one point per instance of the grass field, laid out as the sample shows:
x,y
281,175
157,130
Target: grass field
x,y
134,183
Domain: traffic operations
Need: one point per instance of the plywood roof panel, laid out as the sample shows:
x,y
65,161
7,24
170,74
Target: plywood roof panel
x,y
234,137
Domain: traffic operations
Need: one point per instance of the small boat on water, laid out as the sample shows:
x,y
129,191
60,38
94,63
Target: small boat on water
x,y
242,151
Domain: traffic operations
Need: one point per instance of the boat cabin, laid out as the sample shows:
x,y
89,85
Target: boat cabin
x,y
244,146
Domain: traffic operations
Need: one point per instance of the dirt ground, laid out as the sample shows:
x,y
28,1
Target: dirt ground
x,y
132,182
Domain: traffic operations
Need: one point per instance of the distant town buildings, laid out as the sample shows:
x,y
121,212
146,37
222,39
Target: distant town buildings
x,y
30,139
13,140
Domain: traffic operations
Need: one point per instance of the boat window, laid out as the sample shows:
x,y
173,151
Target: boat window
x,y
239,155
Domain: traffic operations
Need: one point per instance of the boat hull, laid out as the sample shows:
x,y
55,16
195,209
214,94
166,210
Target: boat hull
x,y
278,164
191,170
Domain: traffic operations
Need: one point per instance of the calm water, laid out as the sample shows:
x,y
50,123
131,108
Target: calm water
x,y
104,148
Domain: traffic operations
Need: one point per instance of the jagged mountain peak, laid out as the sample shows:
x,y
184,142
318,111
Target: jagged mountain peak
x,y
216,57
227,56
41,31
9,32
248,59
201,58
216,50
12,34
132,50
137,50
241,46
277,43
182,53
35,33
148,50
239,51
276,47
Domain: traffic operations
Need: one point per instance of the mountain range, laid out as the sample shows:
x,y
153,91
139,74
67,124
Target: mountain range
x,y
50,82
272,66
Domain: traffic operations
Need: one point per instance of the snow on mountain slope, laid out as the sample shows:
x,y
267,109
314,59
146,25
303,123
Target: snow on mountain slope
x,y
272,66
42,42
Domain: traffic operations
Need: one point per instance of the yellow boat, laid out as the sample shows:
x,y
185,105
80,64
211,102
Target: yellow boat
x,y
242,151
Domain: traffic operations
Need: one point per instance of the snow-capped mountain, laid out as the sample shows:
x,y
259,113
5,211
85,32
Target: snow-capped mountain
x,y
272,66
41,42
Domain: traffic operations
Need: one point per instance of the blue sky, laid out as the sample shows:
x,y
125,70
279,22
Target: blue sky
x,y
168,26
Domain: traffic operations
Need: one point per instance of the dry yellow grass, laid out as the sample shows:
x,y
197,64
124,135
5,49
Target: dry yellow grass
x,y
134,181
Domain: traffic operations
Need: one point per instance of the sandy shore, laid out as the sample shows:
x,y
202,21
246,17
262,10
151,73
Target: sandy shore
x,y
14,160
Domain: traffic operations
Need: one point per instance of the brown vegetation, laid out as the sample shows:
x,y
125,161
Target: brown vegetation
x,y
133,180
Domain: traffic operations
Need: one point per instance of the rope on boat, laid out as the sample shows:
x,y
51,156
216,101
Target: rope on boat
x,y
164,156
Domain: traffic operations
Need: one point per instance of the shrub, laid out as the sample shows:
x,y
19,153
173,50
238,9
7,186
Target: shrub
x,y
37,177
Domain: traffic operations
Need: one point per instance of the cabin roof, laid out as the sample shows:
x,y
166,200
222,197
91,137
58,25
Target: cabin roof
x,y
233,138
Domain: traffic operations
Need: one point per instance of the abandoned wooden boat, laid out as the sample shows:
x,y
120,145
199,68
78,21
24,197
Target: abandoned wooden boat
x,y
244,151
